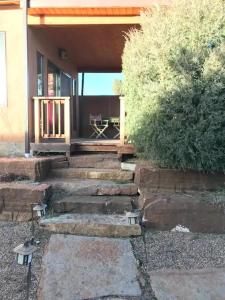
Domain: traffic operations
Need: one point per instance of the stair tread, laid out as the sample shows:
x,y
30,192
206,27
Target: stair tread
x,y
95,170
93,204
93,173
93,199
91,225
98,155
86,187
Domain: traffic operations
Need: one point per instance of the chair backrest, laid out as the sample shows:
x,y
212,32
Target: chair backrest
x,y
95,117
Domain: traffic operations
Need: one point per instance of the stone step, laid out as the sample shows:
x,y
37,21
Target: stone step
x,y
33,168
88,268
60,164
93,204
99,161
88,173
86,187
91,225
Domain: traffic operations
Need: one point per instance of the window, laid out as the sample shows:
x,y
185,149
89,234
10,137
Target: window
x,y
40,74
3,79
54,88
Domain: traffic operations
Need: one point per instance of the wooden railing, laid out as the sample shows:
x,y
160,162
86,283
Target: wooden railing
x,y
52,118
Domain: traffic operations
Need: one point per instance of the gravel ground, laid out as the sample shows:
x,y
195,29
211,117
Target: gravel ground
x,y
175,250
160,250
13,276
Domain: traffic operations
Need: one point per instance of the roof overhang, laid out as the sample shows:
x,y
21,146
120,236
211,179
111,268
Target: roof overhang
x,y
96,43
91,7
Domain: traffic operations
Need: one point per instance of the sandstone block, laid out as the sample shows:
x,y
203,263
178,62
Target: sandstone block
x,y
91,225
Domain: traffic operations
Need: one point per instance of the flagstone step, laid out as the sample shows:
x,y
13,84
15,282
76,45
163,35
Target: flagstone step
x,y
99,161
91,225
88,173
76,267
92,187
93,204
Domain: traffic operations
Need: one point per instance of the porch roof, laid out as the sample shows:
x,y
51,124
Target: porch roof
x,y
92,31
91,48
91,7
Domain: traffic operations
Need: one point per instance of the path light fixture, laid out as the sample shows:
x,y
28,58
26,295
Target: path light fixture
x,y
133,217
24,253
40,209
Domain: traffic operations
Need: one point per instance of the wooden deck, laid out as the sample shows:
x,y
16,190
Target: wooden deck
x,y
82,145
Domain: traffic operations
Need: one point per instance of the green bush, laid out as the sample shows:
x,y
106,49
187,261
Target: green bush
x,y
174,85
117,87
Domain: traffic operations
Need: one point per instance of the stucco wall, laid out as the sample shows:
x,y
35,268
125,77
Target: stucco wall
x,y
38,41
12,116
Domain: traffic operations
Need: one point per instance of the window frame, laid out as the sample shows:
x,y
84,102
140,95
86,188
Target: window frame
x,y
42,66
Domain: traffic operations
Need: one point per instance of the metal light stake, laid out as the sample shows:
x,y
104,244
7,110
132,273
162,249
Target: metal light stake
x,y
24,255
24,252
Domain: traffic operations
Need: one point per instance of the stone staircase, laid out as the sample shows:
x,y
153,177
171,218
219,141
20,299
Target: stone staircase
x,y
90,197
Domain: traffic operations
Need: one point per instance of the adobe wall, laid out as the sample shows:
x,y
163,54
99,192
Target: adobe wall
x,y
12,116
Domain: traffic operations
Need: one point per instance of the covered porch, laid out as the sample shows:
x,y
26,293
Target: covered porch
x,y
61,119
53,132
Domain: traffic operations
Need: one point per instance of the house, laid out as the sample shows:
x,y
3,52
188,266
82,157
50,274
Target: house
x,y
43,46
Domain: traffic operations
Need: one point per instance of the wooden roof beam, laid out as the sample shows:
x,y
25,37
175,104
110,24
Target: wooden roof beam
x,y
73,20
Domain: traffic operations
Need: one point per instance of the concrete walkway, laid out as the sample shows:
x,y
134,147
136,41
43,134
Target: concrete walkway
x,y
77,268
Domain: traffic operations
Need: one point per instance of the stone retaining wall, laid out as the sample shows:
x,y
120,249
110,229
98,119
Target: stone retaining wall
x,y
16,199
177,180
35,169
172,197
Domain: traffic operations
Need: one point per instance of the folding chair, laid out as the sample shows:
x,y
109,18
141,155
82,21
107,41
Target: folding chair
x,y
98,126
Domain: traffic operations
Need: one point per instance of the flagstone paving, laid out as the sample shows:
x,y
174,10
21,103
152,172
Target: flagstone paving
x,y
87,267
205,284
171,257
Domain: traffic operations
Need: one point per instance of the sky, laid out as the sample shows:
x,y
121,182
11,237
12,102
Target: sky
x,y
98,83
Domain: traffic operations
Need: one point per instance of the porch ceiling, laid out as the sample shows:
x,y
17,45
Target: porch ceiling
x,y
96,48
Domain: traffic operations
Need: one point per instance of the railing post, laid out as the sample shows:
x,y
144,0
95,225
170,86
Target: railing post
x,y
67,120
37,120
122,120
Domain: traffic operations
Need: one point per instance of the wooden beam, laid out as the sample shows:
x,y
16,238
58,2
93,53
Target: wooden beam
x,y
73,20
50,147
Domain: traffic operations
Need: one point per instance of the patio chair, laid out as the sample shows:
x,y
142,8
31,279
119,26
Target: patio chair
x,y
98,126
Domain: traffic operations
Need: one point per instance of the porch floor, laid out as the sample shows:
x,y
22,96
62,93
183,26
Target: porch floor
x,y
83,145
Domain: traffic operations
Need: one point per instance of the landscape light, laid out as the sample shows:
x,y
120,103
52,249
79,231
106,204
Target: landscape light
x,y
24,253
133,217
40,209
